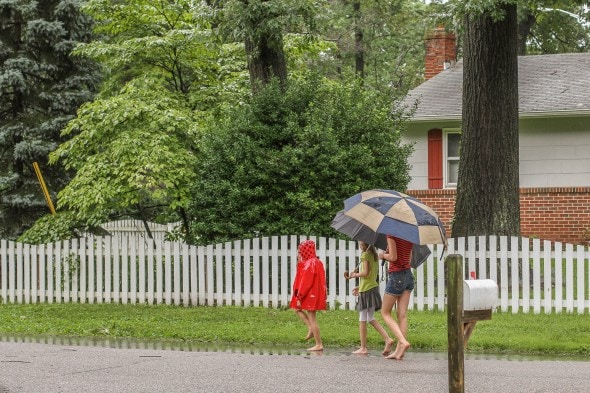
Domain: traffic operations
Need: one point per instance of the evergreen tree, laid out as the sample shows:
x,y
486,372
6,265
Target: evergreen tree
x,y
41,87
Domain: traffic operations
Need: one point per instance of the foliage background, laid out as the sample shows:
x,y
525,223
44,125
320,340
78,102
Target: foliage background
x,y
285,162
159,140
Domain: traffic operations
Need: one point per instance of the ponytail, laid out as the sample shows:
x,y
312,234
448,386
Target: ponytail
x,y
373,252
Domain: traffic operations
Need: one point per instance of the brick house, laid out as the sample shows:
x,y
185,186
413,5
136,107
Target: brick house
x,y
554,129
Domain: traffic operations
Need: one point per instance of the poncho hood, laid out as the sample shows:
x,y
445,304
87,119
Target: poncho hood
x,y
307,250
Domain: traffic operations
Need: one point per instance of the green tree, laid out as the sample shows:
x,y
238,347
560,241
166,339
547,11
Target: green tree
x,y
134,156
135,147
169,40
284,163
167,75
553,26
544,26
381,41
487,188
41,87
261,25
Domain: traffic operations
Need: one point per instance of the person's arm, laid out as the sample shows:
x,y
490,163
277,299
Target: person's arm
x,y
364,271
391,254
306,281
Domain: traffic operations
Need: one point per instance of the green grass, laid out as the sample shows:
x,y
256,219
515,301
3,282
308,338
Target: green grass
x,y
506,333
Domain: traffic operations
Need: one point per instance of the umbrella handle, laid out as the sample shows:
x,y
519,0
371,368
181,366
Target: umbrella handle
x,y
356,269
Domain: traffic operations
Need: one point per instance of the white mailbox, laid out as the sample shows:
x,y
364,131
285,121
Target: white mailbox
x,y
479,294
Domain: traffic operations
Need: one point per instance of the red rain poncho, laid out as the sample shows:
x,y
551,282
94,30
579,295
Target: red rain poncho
x,y
309,286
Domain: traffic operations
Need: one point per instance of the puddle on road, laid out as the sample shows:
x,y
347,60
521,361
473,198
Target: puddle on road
x,y
166,345
174,345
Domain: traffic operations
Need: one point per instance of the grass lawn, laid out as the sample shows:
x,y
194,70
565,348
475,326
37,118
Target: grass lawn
x,y
553,334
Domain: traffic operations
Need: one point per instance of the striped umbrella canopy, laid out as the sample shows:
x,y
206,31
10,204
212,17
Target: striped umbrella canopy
x,y
372,215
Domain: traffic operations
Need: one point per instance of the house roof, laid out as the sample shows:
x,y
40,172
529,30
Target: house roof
x,y
548,85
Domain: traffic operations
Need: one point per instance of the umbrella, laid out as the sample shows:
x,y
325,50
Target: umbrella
x,y
354,229
372,215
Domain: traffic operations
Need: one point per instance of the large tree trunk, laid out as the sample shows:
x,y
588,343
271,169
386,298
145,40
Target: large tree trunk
x,y
265,61
488,191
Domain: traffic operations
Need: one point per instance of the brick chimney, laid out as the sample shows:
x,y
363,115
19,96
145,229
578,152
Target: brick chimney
x,y
441,51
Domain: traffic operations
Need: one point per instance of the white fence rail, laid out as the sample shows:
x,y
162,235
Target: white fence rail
x,y
532,275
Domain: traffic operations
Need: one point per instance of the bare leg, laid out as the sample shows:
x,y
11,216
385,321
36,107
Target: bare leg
x,y
363,333
303,316
388,340
402,343
402,318
315,329
402,312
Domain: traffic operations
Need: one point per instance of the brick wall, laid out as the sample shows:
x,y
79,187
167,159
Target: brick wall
x,y
440,48
554,213
441,200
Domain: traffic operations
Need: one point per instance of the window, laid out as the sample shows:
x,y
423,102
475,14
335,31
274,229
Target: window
x,y
452,151
444,149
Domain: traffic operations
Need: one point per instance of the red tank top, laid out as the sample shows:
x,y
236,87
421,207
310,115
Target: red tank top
x,y
404,251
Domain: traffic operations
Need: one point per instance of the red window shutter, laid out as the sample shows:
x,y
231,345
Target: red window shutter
x,y
435,159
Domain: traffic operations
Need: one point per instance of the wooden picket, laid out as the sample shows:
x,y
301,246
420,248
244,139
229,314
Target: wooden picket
x,y
532,275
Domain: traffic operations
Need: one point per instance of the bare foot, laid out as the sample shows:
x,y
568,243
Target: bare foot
x,y
316,348
387,349
400,350
361,351
309,335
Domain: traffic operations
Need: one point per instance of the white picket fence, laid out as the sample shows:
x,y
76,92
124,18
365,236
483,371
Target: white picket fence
x,y
158,232
532,275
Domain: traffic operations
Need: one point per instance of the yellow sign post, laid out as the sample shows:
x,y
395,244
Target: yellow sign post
x,y
44,188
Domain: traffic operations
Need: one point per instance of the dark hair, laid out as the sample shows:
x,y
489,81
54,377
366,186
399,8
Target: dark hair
x,y
371,249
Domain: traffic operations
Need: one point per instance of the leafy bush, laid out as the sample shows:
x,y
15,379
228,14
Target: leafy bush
x,y
284,162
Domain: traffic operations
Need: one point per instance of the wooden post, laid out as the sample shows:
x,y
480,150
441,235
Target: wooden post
x,y
467,330
456,353
470,318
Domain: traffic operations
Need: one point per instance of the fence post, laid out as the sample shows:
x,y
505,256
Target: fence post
x,y
456,354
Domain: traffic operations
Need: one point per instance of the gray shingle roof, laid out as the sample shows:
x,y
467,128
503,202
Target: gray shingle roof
x,y
548,85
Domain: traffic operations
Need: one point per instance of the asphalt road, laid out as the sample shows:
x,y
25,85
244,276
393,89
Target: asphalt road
x,y
62,368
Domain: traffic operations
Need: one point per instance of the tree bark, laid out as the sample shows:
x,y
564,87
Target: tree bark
x,y
488,186
265,61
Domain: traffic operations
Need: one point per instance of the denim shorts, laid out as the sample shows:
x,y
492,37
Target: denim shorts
x,y
398,282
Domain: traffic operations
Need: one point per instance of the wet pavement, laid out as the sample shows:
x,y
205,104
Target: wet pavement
x,y
64,365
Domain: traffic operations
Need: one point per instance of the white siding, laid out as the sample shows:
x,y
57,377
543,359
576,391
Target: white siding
x,y
553,152
418,160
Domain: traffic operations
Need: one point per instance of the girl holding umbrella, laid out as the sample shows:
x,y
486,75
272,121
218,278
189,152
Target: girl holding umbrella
x,y
400,283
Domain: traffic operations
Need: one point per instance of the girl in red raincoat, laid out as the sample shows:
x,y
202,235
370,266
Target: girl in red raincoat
x,y
309,291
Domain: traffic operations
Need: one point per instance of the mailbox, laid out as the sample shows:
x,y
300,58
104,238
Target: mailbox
x,y
479,295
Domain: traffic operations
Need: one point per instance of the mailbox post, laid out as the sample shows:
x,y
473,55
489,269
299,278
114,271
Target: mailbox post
x,y
456,351
479,298
468,301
